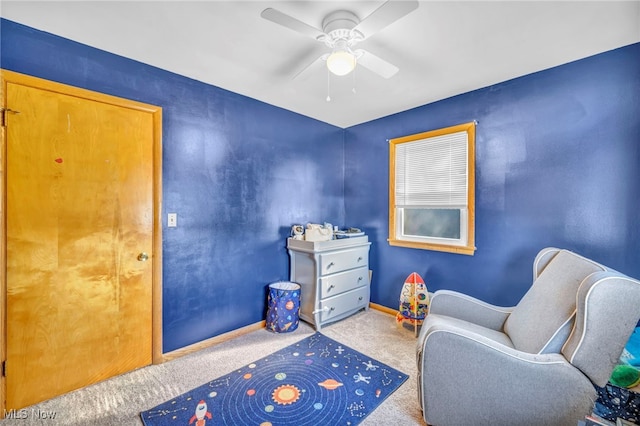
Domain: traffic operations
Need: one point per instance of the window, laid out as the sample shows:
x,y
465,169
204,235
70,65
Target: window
x,y
431,190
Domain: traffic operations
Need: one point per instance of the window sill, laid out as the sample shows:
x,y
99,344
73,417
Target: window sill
x,y
435,247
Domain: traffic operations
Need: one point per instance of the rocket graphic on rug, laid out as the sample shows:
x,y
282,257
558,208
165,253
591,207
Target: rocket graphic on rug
x,y
201,413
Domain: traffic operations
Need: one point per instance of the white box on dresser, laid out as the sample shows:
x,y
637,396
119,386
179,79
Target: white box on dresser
x,y
333,275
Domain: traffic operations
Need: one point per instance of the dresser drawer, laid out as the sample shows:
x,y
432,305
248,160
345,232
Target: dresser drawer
x,y
337,306
334,284
342,260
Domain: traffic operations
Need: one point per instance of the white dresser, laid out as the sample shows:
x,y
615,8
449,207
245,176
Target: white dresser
x,y
333,275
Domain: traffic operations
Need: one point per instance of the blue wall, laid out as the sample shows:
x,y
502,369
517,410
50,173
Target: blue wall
x,y
557,164
237,171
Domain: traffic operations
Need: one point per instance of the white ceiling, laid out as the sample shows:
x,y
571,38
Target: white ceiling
x,y
443,48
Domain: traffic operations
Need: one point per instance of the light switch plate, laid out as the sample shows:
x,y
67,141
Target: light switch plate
x,y
172,220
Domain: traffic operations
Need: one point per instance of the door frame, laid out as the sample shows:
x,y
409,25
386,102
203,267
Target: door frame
x,y
156,258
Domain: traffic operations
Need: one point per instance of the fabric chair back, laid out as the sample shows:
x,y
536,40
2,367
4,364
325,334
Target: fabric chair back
x,y
544,317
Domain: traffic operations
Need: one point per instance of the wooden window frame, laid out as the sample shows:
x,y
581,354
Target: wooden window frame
x,y
394,239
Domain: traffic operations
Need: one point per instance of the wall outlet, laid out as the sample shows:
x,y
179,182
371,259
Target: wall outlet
x,y
172,220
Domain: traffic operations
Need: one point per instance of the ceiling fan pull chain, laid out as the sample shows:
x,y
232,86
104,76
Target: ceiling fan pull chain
x,y
354,79
328,85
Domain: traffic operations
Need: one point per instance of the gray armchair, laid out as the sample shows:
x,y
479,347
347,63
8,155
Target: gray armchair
x,y
532,364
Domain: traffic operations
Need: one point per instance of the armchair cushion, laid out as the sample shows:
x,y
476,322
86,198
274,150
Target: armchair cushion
x,y
468,379
436,321
542,320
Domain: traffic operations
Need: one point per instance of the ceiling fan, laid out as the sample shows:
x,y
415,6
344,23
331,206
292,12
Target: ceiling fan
x,y
342,30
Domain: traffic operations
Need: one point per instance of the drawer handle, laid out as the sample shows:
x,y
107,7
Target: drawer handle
x,y
359,259
331,287
325,309
359,298
330,265
360,279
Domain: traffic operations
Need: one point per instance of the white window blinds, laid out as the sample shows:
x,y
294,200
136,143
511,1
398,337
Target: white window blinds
x,y
432,172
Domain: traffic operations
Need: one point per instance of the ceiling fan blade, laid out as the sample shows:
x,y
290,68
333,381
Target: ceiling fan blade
x,y
376,64
386,14
314,64
292,23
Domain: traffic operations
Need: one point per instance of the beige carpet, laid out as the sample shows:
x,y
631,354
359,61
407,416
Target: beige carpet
x,y
120,400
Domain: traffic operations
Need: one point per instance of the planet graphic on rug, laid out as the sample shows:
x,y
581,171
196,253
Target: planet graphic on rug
x,y
330,384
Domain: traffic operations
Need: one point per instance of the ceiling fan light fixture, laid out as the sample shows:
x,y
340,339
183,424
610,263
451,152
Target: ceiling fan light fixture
x,y
341,61
342,30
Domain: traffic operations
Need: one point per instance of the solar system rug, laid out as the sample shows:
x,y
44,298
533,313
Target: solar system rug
x,y
316,381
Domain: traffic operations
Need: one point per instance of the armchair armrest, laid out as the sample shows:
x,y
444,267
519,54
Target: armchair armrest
x,y
524,388
461,306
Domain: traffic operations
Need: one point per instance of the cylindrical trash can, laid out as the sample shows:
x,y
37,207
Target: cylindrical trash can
x,y
283,313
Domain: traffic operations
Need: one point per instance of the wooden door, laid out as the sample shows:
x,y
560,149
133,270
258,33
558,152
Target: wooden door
x,y
80,223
